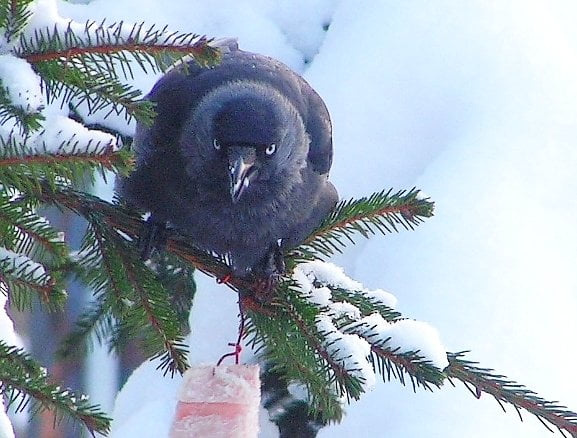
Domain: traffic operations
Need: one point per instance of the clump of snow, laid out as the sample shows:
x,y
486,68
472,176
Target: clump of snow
x,y
381,296
403,336
320,295
348,350
62,134
329,274
24,88
341,308
298,391
6,430
21,83
7,333
145,405
45,16
422,196
22,263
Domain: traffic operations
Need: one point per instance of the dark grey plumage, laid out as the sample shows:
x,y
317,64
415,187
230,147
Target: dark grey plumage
x,y
237,158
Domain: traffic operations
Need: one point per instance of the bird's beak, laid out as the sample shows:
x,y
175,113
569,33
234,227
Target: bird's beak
x,y
241,169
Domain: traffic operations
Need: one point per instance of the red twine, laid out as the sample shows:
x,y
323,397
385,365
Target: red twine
x,y
237,345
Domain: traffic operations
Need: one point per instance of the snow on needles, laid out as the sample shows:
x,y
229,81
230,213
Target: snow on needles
x,y
22,263
350,343
21,83
23,88
403,336
329,273
350,351
64,135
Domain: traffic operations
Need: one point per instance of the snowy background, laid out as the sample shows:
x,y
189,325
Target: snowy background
x,y
473,102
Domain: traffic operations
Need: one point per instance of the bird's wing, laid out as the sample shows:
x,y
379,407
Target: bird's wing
x,y
318,124
172,105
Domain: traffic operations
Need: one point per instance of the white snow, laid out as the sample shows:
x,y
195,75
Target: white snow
x,y
349,351
22,263
331,274
320,295
404,336
22,84
145,405
6,430
7,335
59,132
382,297
62,134
473,102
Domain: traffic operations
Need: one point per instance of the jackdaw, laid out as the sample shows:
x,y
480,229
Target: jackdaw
x,y
237,159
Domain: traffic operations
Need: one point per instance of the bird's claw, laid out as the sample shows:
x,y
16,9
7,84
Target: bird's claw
x,y
265,288
272,263
269,273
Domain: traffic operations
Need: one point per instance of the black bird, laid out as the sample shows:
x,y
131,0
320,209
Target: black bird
x,y
237,159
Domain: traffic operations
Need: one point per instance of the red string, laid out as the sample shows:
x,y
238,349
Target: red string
x,y
237,345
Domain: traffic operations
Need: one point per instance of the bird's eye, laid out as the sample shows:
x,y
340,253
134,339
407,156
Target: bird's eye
x,y
270,149
216,144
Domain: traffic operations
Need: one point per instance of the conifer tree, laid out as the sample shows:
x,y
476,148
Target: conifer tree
x,y
320,330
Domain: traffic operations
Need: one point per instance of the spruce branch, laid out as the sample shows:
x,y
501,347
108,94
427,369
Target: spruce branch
x,y
26,120
383,211
366,304
77,83
138,301
25,232
96,157
276,334
24,383
95,320
390,363
484,380
99,321
101,43
284,330
111,267
25,168
83,64
177,277
24,279
14,15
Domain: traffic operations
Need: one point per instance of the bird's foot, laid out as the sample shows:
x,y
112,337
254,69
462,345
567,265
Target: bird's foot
x,y
153,237
265,288
269,273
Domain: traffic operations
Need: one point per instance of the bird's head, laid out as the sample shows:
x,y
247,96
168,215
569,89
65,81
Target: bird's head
x,y
248,137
